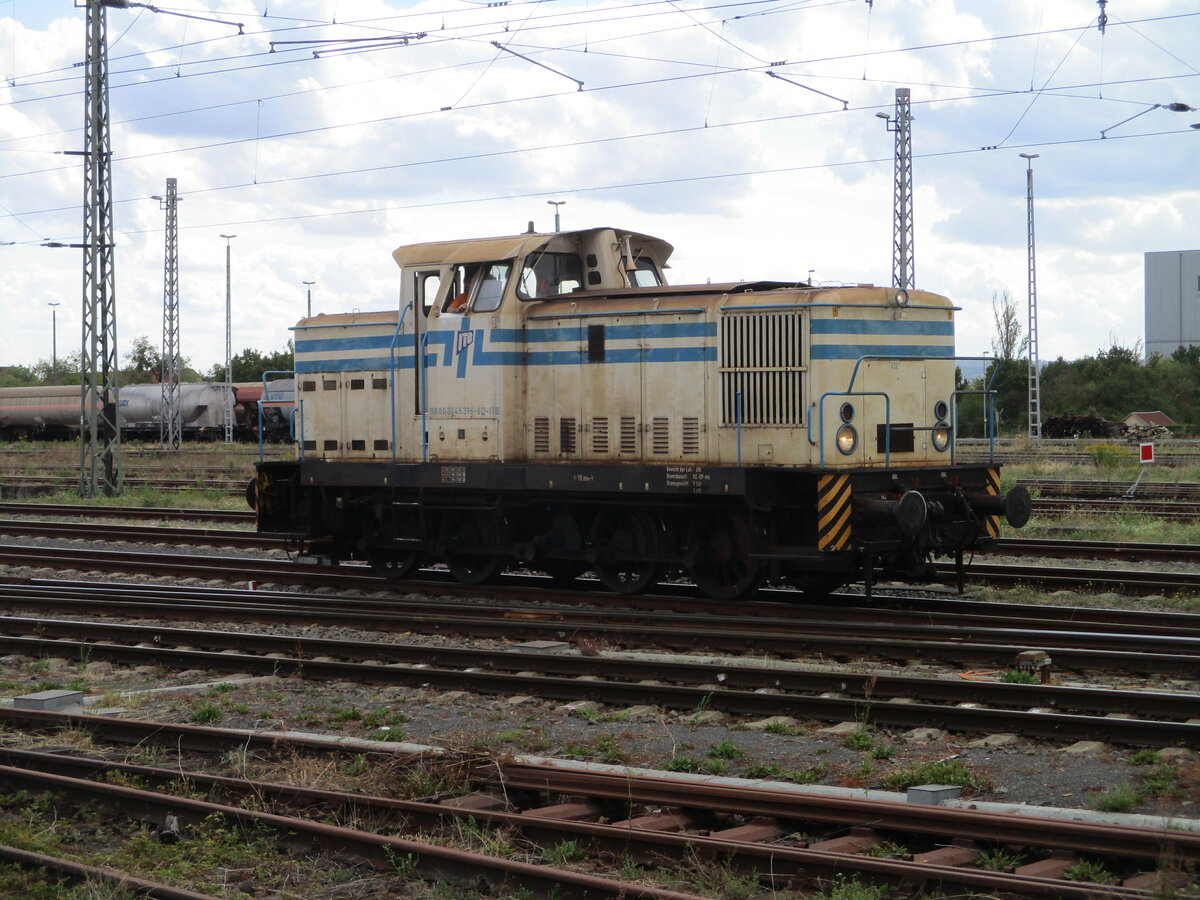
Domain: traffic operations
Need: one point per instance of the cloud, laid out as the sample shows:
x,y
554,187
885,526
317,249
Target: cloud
x,y
323,166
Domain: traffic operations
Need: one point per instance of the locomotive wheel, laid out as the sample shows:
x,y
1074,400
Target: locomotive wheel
x,y
719,556
623,540
477,533
565,534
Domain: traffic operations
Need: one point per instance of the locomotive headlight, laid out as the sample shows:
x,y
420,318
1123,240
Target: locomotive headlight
x,y
941,410
901,297
847,412
941,437
847,439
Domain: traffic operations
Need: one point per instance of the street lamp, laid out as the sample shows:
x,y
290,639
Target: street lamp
x,y
556,204
1170,107
54,304
309,285
228,344
1035,399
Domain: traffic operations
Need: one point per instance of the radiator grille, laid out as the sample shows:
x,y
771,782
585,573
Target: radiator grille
x,y
660,435
691,436
762,356
629,445
541,434
566,435
599,436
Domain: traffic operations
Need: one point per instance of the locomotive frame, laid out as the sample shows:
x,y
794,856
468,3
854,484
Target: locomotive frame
x,y
547,400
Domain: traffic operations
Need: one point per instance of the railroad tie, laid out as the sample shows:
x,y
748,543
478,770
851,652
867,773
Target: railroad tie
x,y
1051,867
859,840
570,812
957,854
664,821
757,832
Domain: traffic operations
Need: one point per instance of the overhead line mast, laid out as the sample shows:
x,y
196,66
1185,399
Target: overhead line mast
x,y
100,458
170,430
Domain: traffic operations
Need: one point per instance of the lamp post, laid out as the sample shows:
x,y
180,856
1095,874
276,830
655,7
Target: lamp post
x,y
1035,399
309,285
556,204
54,304
228,344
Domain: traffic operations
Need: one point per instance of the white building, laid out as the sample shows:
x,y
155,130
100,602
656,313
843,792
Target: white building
x,y
1172,301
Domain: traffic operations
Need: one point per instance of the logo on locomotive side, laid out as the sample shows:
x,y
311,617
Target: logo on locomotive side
x,y
463,340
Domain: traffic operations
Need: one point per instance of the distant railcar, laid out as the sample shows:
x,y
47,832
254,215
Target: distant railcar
x,y
547,400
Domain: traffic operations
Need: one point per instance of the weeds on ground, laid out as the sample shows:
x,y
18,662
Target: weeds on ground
x,y
1000,860
949,771
1092,872
1120,799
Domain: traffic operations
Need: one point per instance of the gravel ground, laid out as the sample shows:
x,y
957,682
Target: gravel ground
x,y
1027,771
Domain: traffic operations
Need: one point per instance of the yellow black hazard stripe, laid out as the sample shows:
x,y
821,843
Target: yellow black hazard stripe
x,y
833,512
991,524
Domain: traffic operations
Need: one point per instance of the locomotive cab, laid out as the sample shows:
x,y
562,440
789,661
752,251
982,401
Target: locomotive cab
x,y
549,400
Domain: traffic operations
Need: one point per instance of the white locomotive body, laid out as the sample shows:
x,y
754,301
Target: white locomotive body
x,y
548,399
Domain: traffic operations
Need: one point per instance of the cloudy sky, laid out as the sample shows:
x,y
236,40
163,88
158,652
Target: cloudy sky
x,y
322,165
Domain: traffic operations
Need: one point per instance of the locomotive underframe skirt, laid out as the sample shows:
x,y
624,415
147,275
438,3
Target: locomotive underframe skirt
x,y
818,520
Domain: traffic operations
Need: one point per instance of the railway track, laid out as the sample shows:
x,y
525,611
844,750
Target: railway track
x,y
1124,581
1039,711
784,837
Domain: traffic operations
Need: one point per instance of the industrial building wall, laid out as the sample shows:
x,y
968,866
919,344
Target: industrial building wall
x,y
1172,301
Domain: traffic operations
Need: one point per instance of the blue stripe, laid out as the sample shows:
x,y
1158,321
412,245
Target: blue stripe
x,y
657,331
872,326
857,351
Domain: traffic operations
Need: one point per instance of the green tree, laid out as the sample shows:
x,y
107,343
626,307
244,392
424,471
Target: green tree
x,y
250,364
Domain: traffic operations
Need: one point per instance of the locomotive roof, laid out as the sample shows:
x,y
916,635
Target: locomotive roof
x,y
472,250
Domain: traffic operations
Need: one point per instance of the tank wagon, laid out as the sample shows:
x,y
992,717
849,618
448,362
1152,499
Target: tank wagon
x,y
547,400
52,412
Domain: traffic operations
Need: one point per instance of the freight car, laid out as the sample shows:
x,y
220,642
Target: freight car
x,y
547,400
52,413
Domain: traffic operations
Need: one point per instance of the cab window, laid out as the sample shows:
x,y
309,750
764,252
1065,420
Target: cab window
x,y
645,275
548,275
477,287
427,284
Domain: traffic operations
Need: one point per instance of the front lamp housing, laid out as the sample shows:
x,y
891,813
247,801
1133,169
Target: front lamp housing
x,y
941,437
847,439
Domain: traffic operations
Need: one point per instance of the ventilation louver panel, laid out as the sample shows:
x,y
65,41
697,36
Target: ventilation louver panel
x,y
541,434
691,436
599,436
660,435
762,357
629,443
566,435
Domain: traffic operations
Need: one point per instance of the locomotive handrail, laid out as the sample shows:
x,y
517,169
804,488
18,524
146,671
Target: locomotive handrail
x,y
392,380
987,391
424,403
291,421
887,421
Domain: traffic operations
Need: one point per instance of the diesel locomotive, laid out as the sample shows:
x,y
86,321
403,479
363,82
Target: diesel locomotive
x,y
547,400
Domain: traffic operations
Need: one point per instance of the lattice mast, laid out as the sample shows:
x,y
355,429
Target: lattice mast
x,y
903,268
100,459
227,407
170,426
1035,398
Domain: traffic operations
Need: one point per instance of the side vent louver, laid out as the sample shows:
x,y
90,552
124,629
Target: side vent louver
x,y
629,445
661,435
691,436
599,436
566,435
762,357
541,434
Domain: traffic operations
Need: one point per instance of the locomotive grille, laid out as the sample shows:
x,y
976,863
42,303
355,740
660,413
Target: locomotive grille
x,y
628,436
660,435
566,435
762,356
541,434
599,436
691,436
